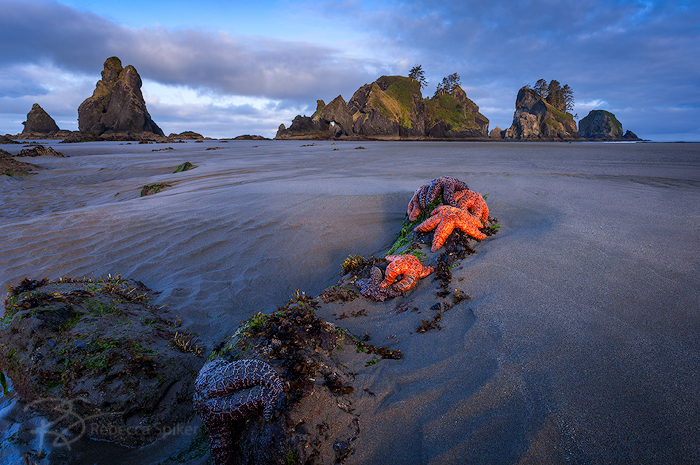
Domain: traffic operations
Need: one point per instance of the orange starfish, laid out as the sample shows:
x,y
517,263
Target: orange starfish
x,y
407,265
446,218
474,203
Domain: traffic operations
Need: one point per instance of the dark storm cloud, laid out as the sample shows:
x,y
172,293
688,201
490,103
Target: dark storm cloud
x,y
33,32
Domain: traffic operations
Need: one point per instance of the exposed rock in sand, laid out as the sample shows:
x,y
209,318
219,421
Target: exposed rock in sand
x,y
39,122
117,104
186,135
151,189
7,139
10,166
102,351
314,421
250,137
39,151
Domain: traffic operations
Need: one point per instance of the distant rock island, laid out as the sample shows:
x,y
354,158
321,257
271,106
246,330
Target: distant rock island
x,y
536,119
392,108
603,125
117,104
39,122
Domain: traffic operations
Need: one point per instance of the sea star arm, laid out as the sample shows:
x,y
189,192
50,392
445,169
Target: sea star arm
x,y
474,203
442,232
447,186
407,265
429,224
414,206
456,212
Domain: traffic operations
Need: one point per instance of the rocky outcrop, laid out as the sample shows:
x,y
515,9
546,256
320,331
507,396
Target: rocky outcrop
x,y
535,119
39,122
454,116
306,127
102,350
497,133
7,139
186,135
40,151
603,125
392,107
251,137
328,121
9,166
116,105
337,115
313,420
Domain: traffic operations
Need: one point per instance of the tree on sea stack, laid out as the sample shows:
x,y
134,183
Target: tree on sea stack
x,y
447,85
417,74
541,88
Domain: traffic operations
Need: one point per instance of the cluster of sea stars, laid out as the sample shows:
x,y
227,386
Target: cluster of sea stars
x,y
226,392
462,209
445,185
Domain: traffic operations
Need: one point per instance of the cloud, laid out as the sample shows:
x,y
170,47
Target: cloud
x,y
250,66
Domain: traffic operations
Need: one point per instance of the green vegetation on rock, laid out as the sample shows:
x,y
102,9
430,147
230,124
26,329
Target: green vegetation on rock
x,y
448,109
396,102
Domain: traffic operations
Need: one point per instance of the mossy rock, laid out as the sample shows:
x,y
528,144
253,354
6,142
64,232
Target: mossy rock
x,y
102,347
185,167
151,189
10,166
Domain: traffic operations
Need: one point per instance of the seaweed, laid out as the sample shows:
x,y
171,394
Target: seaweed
x,y
291,338
355,264
406,233
335,293
151,189
186,342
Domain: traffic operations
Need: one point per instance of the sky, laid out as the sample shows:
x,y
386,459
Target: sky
x,y
227,68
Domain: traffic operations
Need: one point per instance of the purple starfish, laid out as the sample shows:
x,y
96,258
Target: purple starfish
x,y
446,186
369,287
226,392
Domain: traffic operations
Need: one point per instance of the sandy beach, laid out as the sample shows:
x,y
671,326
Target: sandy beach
x,y
581,340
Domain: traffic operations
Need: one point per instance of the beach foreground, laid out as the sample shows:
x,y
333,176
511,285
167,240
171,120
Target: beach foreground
x,y
581,340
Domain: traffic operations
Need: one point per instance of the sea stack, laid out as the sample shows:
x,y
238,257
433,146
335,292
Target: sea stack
x,y
603,125
392,108
39,122
116,105
535,119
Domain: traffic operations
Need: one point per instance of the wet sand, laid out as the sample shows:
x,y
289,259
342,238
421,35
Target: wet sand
x,y
581,339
